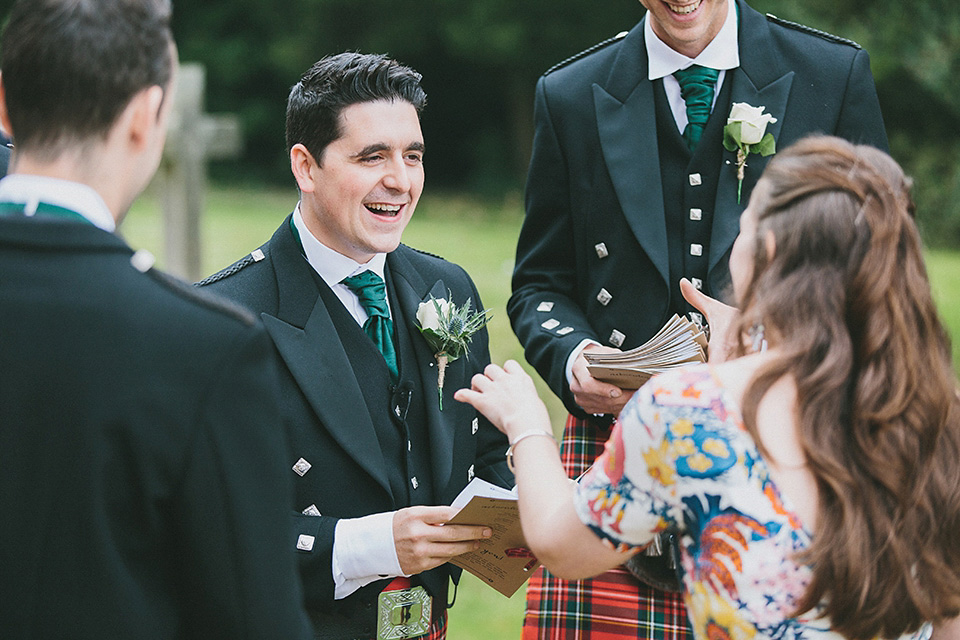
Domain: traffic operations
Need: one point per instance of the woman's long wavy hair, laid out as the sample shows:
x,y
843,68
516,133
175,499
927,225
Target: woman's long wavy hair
x,y
845,299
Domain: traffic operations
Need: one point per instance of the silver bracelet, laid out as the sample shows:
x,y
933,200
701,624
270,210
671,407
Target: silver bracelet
x,y
525,434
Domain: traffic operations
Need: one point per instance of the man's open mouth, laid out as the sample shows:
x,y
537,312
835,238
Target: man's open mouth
x,y
384,209
684,9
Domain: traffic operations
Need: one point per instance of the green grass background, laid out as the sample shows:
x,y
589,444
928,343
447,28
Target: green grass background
x,y
481,238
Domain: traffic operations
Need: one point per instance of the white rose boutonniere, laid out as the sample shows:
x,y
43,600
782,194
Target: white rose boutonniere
x,y
746,133
448,330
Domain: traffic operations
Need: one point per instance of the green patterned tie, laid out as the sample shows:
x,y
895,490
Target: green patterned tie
x,y
696,86
372,292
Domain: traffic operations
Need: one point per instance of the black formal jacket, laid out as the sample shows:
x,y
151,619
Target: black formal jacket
x,y
325,409
4,158
144,484
595,179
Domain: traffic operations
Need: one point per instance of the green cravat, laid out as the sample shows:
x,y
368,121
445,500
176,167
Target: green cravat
x,y
43,210
696,86
372,292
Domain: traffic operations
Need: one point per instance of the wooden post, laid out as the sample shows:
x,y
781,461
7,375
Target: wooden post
x,y
193,138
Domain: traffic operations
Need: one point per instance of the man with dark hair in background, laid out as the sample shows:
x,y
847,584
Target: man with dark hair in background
x,y
142,484
374,455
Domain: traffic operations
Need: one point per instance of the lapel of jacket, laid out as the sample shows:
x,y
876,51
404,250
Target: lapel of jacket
x,y
411,289
761,80
309,344
626,119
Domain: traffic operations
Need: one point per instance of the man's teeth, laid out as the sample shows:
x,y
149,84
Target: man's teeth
x,y
685,9
389,209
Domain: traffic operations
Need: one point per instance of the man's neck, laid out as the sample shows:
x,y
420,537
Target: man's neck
x,y
721,53
693,49
37,193
79,168
330,264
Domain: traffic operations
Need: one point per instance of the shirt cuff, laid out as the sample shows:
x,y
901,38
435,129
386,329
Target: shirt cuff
x,y
363,552
573,356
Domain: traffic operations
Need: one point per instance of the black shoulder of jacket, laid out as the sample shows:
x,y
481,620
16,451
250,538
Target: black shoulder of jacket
x,y
251,258
814,32
204,299
586,52
426,253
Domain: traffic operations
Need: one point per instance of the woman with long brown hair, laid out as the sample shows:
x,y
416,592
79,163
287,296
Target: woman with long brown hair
x,y
814,478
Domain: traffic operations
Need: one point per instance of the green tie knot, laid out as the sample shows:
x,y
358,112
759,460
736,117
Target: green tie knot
x,y
697,86
372,294
371,291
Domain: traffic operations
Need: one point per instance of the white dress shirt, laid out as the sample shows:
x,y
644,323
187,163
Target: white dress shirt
x,y
31,190
722,53
363,548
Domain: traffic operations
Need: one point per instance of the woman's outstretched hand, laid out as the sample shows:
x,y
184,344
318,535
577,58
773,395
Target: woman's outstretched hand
x,y
720,317
507,397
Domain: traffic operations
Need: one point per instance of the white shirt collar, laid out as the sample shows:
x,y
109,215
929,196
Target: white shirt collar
x,y
723,52
31,190
330,265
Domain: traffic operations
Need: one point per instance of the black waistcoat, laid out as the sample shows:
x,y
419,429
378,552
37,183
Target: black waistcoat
x,y
399,417
397,410
689,191
408,406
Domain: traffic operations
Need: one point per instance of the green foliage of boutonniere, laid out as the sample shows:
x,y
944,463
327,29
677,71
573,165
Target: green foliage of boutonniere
x,y
746,133
448,330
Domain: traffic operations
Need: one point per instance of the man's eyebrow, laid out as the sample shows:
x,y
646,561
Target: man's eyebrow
x,y
376,147
372,148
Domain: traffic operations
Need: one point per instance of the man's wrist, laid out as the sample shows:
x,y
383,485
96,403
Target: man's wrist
x,y
568,369
364,547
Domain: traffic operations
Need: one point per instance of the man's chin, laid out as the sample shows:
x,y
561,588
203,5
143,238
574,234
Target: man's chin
x,y
387,247
387,242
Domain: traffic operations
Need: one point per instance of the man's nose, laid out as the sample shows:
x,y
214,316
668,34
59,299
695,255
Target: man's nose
x,y
398,177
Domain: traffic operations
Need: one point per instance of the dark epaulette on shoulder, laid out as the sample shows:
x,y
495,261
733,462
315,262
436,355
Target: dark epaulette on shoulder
x,y
816,32
426,253
192,294
586,52
249,259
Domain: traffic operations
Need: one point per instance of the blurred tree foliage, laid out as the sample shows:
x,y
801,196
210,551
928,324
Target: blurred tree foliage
x,y
481,58
915,56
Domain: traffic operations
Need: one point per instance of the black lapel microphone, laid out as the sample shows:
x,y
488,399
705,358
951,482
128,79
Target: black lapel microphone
x,y
400,401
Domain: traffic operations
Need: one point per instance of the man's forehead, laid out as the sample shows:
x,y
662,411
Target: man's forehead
x,y
380,110
382,124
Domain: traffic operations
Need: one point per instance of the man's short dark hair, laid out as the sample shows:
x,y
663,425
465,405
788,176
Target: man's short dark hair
x,y
70,67
336,82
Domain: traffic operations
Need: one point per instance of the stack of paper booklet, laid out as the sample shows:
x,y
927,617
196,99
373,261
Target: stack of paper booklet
x,y
680,342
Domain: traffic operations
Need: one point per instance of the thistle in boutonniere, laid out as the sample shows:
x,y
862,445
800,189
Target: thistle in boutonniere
x,y
448,330
746,133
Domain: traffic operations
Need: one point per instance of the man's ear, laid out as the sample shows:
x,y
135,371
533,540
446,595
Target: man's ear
x,y
4,116
141,117
302,164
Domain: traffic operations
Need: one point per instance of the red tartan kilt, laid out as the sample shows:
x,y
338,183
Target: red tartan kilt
x,y
438,629
611,606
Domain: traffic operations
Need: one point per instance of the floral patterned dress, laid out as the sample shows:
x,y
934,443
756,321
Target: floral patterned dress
x,y
680,457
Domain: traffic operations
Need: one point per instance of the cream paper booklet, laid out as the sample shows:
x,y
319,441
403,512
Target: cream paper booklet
x,y
679,343
503,560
